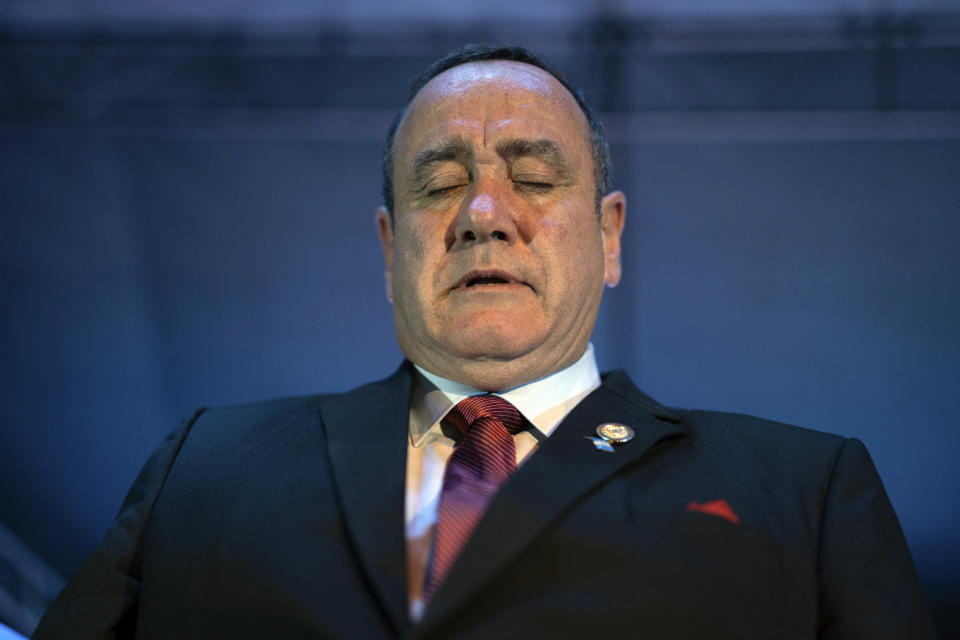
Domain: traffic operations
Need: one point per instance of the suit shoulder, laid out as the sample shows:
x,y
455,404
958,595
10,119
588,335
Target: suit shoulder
x,y
729,435
266,410
251,423
759,436
744,423
278,414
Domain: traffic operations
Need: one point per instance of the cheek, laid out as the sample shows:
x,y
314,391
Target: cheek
x,y
571,238
411,246
555,228
416,263
424,235
576,251
556,233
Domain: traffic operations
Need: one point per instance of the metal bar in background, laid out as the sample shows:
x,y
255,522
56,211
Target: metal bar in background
x,y
27,585
624,128
846,64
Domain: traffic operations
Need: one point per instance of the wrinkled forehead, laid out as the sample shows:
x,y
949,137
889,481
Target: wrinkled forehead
x,y
491,94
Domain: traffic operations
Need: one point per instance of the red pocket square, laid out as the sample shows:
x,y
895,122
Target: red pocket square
x,y
715,508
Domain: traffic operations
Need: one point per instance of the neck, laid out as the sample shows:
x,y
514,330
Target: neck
x,y
500,375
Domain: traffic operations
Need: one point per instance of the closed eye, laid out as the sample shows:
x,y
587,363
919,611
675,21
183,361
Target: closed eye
x,y
533,185
440,191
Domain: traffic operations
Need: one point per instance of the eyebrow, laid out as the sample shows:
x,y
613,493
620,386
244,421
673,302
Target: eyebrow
x,y
453,149
543,149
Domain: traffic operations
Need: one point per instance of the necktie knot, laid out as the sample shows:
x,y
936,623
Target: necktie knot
x,y
471,409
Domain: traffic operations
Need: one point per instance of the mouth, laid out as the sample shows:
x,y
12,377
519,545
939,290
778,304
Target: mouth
x,y
481,278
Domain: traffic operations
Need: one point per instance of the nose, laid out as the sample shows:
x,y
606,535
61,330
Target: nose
x,y
486,217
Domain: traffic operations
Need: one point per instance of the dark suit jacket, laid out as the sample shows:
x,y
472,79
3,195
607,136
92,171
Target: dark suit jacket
x,y
284,519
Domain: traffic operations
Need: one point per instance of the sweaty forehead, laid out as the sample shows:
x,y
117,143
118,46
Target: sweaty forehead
x,y
491,94
506,73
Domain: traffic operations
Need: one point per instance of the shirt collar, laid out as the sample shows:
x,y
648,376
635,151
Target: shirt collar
x,y
433,396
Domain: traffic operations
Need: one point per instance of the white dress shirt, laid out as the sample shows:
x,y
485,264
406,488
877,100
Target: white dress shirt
x,y
544,403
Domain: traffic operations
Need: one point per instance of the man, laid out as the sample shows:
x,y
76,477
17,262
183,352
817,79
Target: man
x,y
394,510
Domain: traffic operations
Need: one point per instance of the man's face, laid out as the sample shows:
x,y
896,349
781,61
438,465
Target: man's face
x,y
496,259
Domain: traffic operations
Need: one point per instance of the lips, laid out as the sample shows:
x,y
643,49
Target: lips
x,y
486,278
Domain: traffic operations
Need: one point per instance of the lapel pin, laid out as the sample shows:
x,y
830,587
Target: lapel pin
x,y
600,444
615,433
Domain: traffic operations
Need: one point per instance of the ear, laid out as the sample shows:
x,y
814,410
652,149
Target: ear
x,y
613,214
385,231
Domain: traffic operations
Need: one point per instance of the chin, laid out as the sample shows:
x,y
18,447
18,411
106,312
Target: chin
x,y
492,341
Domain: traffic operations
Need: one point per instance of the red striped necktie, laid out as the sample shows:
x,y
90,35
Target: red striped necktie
x,y
480,463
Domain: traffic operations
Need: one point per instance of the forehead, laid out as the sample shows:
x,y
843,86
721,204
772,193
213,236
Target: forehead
x,y
485,101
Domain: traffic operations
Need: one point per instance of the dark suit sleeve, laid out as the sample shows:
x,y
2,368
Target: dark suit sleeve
x,y
100,601
868,585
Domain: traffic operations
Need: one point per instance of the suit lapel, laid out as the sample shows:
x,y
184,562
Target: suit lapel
x,y
554,479
366,432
